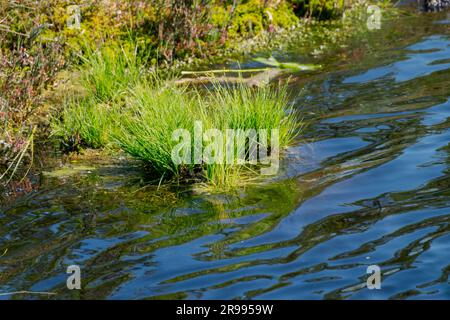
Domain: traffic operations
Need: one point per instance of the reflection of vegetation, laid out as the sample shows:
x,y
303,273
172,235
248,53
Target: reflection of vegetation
x,y
166,218
162,219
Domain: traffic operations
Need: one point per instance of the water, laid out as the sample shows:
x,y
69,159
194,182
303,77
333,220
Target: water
x,y
368,184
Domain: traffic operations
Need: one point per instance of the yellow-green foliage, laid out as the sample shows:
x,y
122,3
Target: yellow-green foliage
x,y
165,31
253,16
101,21
283,15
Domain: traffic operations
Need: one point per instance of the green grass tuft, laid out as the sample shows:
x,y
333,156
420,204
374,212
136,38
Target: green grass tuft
x,y
84,123
107,74
123,109
153,113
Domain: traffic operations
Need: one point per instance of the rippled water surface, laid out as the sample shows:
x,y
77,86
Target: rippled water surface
x,y
368,183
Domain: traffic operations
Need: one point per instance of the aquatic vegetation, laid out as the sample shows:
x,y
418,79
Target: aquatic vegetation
x,y
144,127
154,114
266,111
106,74
83,123
124,108
242,107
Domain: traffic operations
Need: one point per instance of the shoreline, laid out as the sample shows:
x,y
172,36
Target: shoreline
x,y
279,39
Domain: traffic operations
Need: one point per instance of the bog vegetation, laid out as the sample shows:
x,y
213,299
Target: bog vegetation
x,y
124,57
137,112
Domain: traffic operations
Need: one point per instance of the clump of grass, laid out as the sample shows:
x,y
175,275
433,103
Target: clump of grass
x,y
123,109
153,113
84,123
106,77
245,108
108,73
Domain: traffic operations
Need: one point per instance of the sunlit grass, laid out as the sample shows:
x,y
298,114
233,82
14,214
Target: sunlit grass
x,y
108,73
106,77
84,122
152,114
122,109
243,107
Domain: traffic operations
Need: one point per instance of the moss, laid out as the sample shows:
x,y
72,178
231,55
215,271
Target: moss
x,y
283,15
251,17
183,31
